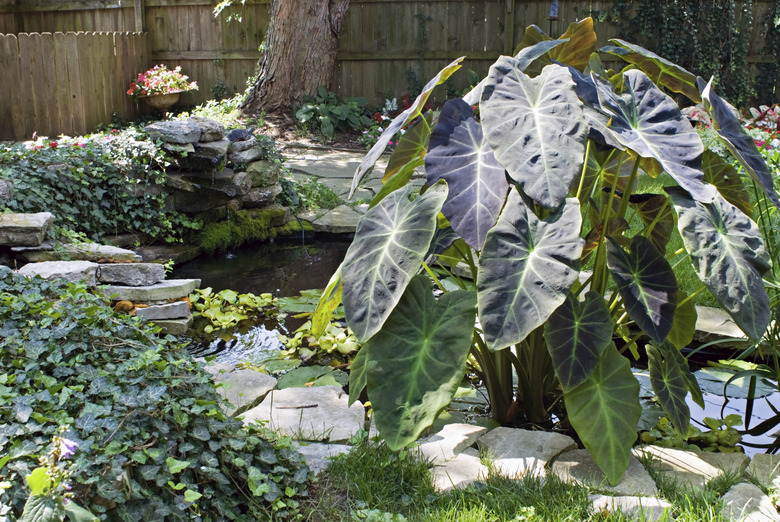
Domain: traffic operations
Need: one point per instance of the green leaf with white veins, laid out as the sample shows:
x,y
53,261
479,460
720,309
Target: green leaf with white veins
x,y
390,242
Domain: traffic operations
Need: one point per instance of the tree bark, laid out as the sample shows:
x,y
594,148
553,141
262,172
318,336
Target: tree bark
x,y
299,55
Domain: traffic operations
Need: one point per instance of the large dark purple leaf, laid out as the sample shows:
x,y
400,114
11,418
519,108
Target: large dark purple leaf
x,y
667,377
536,128
649,122
739,142
577,334
729,256
399,121
526,269
477,183
655,211
646,284
660,70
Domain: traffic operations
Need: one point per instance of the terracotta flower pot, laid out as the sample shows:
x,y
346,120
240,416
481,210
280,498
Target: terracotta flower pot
x,y
162,102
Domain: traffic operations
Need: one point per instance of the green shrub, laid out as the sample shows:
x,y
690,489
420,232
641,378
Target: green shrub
x,y
153,441
326,114
98,186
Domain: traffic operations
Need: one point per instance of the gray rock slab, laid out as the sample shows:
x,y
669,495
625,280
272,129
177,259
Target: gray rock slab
x,y
765,468
245,156
341,220
689,469
215,368
179,148
244,389
164,253
318,413
239,146
260,197
518,452
716,324
318,454
174,131
131,274
162,291
77,252
174,326
208,155
177,310
449,441
210,130
24,229
264,173
578,467
6,189
747,503
73,271
637,508
459,472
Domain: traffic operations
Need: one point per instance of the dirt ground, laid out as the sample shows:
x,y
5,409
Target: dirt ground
x,y
286,133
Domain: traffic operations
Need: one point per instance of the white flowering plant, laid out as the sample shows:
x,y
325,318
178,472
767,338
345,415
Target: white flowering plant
x,y
161,80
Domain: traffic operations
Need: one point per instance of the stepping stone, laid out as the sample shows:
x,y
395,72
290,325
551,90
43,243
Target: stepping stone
x,y
318,455
73,271
131,274
24,229
341,220
76,252
451,440
162,291
164,253
520,452
177,310
578,467
457,473
319,413
746,502
638,508
174,326
244,389
691,470
765,468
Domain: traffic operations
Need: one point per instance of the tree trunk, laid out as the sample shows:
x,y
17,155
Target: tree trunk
x,y
299,55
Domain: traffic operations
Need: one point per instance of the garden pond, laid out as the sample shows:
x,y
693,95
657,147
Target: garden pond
x,y
286,268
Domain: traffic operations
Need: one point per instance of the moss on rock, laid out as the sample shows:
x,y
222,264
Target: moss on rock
x,y
247,226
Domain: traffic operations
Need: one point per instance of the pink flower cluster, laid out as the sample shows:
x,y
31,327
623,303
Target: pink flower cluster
x,y
160,80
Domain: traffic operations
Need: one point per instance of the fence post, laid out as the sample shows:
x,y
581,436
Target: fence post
x,y
509,28
139,16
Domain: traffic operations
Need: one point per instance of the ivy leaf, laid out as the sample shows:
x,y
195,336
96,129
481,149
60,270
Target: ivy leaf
x,y
176,466
192,496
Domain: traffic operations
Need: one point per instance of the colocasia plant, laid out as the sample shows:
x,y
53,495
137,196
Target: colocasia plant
x,y
535,196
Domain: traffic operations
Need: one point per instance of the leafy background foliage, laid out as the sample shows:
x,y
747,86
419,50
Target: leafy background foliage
x,y
153,441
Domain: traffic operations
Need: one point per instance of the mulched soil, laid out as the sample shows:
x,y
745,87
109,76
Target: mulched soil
x,y
284,130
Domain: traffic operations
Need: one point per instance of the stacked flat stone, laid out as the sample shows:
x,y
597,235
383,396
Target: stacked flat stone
x,y
213,170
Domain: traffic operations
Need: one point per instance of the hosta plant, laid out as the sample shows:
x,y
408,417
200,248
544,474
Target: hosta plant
x,y
569,264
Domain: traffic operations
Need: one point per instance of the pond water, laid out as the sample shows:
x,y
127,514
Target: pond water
x,y
284,268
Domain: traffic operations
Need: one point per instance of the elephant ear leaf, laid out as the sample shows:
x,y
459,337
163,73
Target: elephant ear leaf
x,y
526,269
410,151
577,334
660,70
417,361
646,284
729,257
536,128
725,177
604,411
649,122
398,122
477,182
739,142
579,42
669,384
389,245
655,212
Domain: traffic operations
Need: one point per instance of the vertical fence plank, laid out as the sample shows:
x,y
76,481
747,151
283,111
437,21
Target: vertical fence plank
x,y
10,82
61,97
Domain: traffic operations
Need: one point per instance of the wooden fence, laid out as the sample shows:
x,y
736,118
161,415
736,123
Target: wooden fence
x,y
387,47
66,83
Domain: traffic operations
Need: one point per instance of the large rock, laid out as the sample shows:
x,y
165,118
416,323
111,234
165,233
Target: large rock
x,y
449,441
316,413
578,467
459,472
520,452
264,173
747,503
24,229
6,189
245,156
244,389
131,274
765,468
174,326
210,130
169,311
240,146
162,291
260,197
691,469
73,271
174,131
208,156
341,220
76,252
